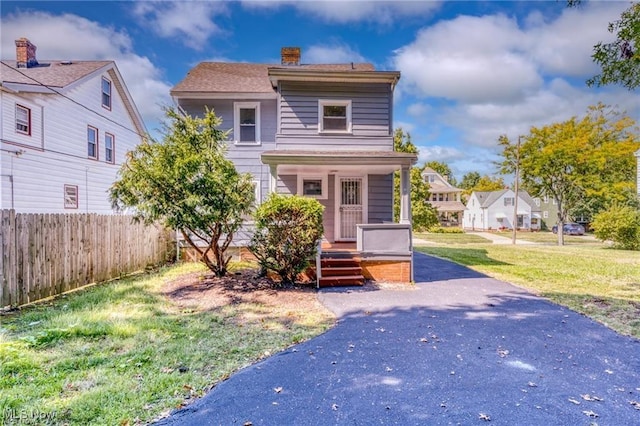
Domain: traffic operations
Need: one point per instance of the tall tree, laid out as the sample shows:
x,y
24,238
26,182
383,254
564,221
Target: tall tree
x,y
186,182
619,60
442,169
423,215
473,181
469,180
577,159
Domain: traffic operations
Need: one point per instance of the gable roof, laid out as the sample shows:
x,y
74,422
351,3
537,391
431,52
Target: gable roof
x,y
58,76
487,198
441,184
240,77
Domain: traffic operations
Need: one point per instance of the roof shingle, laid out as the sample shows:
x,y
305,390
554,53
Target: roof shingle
x,y
49,73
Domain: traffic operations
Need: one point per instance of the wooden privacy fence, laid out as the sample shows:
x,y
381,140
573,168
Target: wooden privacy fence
x,y
48,254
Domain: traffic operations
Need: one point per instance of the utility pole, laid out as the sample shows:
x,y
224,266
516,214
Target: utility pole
x,y
515,200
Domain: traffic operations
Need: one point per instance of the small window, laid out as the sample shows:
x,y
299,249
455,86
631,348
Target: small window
x,y
545,199
554,201
23,120
257,192
246,129
70,197
335,116
106,93
109,148
508,201
312,186
545,214
537,201
92,142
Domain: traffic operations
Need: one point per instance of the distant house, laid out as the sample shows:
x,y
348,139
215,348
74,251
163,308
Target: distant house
x,y
66,127
444,197
494,210
548,207
318,130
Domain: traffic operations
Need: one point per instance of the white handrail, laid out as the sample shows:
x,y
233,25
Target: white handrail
x,y
318,263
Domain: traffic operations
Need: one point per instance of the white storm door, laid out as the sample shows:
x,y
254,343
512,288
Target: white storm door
x,y
350,207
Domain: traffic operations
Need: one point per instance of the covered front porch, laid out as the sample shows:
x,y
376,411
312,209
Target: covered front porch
x,y
356,189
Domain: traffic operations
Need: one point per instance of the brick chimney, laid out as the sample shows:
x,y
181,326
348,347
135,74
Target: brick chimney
x,y
25,53
290,55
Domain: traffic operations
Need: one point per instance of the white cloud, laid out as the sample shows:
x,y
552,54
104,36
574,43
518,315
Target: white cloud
x,y
75,38
192,21
419,110
342,12
444,154
335,53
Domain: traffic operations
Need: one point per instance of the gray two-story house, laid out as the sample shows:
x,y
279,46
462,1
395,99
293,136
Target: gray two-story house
x,y
318,130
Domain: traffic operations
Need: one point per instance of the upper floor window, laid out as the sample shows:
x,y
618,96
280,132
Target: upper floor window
x,y
335,116
509,201
545,199
246,123
106,93
537,201
23,120
92,142
109,148
430,178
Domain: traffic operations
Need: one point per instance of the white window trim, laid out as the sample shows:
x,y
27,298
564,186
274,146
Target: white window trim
x,y
108,135
334,102
102,92
97,143
26,123
68,201
236,122
325,185
257,191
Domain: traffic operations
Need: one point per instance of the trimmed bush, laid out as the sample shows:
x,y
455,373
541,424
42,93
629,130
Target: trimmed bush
x,y
442,230
619,224
288,229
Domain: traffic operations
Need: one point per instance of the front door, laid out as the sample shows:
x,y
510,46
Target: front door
x,y
350,207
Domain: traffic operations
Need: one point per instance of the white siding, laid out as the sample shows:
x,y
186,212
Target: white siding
x,y
56,155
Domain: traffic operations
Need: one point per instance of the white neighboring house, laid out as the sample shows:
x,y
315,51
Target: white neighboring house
x,y
65,129
493,210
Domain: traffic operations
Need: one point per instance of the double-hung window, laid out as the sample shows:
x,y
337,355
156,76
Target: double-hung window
x,y
334,116
109,148
23,120
509,201
92,142
106,93
246,119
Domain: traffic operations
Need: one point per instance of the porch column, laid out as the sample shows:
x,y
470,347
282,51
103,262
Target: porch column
x,y
405,195
273,178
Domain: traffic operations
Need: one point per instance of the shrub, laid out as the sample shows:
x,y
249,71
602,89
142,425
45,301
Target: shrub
x,y
619,224
288,229
442,230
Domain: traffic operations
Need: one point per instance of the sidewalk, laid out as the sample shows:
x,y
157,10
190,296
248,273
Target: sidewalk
x,y
499,239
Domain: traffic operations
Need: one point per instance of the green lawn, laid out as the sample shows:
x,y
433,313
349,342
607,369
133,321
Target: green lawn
x,y
601,283
124,353
450,238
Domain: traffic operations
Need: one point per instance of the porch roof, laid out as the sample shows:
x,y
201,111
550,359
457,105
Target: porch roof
x,y
339,158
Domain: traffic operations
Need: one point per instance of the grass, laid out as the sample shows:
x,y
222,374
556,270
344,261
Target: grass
x,y
599,282
124,353
550,238
451,238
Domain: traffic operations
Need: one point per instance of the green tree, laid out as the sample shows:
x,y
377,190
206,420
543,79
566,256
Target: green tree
x,y
579,159
473,181
186,183
620,225
469,180
288,229
620,60
423,215
443,170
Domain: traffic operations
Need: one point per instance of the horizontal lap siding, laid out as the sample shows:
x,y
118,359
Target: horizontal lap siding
x,y
55,154
370,114
380,198
245,157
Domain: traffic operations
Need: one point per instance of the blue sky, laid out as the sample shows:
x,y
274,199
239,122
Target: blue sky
x,y
471,71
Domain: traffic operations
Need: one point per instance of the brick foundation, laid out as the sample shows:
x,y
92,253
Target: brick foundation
x,y
394,271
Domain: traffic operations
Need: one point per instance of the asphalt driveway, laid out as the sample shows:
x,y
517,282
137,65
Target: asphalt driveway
x,y
461,348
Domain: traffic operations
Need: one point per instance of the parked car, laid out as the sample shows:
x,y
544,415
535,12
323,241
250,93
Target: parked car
x,y
569,229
